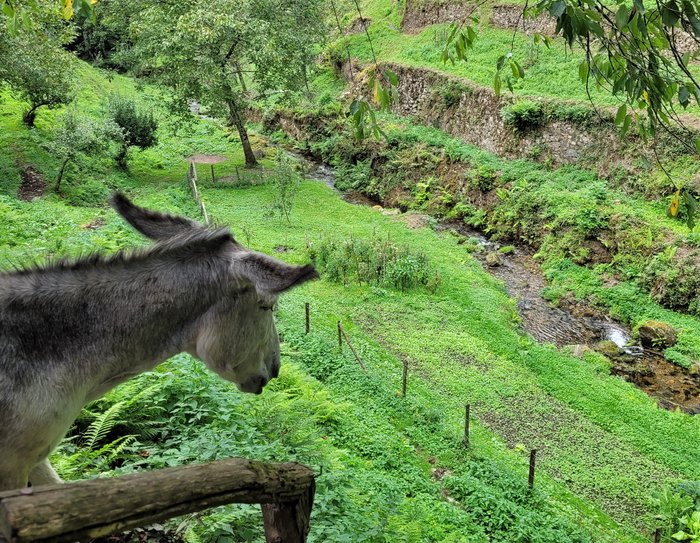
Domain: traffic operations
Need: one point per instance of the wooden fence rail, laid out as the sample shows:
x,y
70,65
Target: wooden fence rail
x,y
89,509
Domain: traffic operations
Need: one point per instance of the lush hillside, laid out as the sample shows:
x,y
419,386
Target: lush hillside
x,y
389,467
408,288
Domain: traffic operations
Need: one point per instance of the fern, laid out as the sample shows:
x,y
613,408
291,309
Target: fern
x,y
103,424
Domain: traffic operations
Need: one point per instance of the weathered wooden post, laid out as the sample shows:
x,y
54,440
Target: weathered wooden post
x,y
340,336
213,179
531,475
405,378
308,324
238,175
288,522
352,350
466,426
657,535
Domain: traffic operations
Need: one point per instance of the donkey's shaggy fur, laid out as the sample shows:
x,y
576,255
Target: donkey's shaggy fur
x,y
72,330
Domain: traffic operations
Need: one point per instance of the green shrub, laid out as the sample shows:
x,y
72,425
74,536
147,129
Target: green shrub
x,y
451,93
524,115
286,182
375,261
138,128
673,280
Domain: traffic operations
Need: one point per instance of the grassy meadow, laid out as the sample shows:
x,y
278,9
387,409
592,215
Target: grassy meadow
x,y
389,468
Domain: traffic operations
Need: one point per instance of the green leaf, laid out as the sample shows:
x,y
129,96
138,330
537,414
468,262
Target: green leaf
x,y
670,13
684,96
521,72
681,536
499,63
7,10
622,16
557,9
621,114
625,126
393,78
583,71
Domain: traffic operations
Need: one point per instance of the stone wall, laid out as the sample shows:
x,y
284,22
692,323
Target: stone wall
x,y
419,14
511,17
474,115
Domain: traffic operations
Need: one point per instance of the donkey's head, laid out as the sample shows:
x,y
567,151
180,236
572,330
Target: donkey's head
x,y
236,337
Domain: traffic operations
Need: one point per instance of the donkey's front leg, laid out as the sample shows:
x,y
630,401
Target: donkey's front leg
x,y
44,474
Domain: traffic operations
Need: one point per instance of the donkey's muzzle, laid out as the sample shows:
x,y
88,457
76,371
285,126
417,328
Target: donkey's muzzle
x,y
254,385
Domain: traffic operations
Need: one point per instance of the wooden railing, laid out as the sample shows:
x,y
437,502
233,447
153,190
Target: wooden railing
x,y
88,509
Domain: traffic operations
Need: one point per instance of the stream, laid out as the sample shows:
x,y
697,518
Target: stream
x,y
573,325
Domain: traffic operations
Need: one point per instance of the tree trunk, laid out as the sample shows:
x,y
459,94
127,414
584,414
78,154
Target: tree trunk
x,y
121,156
29,116
237,120
239,72
60,176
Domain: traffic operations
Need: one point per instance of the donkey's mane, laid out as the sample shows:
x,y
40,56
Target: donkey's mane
x,y
191,244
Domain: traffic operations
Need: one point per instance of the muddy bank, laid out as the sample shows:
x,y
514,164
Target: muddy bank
x,y
572,325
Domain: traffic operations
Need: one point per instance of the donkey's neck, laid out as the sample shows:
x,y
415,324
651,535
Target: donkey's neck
x,y
97,326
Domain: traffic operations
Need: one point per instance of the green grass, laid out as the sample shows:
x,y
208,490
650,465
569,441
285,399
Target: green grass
x,y
603,445
550,72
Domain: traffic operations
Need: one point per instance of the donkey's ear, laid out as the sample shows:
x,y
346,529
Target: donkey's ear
x,y
153,225
271,275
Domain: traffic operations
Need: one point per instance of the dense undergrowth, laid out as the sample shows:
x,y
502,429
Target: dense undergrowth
x,y
573,218
389,468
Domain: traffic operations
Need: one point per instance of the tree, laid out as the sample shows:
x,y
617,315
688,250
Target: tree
x,y
207,51
134,128
33,61
78,135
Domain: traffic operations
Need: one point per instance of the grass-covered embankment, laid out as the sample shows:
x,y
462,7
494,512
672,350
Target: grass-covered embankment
x,y
603,445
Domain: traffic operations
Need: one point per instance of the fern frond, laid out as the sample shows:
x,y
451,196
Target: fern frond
x,y
103,425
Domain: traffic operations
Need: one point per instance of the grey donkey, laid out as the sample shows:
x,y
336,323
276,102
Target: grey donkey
x,y
72,330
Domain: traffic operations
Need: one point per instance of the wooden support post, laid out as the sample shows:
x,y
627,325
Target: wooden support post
x,y
238,175
308,324
213,179
657,535
531,475
466,426
288,522
340,336
405,378
89,509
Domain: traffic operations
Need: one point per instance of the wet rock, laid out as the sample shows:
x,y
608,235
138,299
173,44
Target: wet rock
x,y
493,260
609,349
657,334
